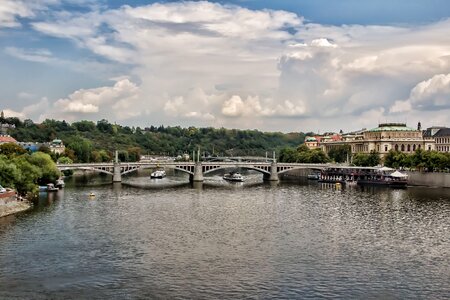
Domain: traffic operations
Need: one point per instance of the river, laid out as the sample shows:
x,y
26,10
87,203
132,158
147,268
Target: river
x,y
150,239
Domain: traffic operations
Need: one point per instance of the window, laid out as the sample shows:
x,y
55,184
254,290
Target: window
x,y
414,147
409,148
396,147
385,148
403,148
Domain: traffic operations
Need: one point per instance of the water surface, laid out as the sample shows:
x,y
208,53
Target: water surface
x,y
165,239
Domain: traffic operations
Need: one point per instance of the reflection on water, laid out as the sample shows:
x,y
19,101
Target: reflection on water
x,y
217,240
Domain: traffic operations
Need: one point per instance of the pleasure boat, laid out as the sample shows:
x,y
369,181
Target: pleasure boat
x,y
158,174
233,177
60,183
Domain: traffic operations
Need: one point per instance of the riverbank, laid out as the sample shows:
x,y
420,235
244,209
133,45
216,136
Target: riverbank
x,y
432,179
10,204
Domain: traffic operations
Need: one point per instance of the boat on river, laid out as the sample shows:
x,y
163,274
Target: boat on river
x,y
314,176
364,176
392,179
158,174
60,183
233,176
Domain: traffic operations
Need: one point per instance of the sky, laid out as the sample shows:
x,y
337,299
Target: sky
x,y
271,65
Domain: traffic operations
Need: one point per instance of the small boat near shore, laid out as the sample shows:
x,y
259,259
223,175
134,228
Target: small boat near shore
x,y
158,174
314,176
60,183
48,188
233,176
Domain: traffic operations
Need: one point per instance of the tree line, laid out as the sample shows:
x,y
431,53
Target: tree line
x,y
421,160
88,141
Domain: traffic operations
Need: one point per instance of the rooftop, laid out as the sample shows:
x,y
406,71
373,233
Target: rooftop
x,y
392,127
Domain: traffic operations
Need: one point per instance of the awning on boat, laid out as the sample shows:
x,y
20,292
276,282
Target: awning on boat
x,y
385,169
398,174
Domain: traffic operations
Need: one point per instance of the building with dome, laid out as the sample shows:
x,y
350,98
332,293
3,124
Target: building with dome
x,y
382,139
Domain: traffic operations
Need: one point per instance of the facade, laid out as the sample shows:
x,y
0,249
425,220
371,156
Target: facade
x,y
382,139
442,139
56,146
311,142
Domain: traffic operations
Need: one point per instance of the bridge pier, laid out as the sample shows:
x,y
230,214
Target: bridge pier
x,y
117,176
273,173
198,173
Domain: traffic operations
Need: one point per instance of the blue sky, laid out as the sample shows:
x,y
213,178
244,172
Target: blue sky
x,y
282,65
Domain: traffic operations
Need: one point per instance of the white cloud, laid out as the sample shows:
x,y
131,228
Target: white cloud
x,y
10,10
35,55
118,101
224,65
432,93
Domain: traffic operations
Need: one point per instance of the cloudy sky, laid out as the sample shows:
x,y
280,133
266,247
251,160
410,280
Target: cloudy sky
x,y
272,65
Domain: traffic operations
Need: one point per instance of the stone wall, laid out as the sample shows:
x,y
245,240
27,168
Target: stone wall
x,y
429,179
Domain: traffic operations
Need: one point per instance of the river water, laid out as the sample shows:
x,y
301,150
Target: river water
x,y
165,239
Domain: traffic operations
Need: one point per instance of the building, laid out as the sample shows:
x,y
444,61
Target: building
x,y
56,146
442,139
4,138
311,142
4,126
382,139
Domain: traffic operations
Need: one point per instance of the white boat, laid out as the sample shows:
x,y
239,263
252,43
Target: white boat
x,y
158,174
51,187
60,183
233,177
315,176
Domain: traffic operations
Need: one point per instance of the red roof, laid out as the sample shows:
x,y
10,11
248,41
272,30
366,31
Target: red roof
x,y
7,139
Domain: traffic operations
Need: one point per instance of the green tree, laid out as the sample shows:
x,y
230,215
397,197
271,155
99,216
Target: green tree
x,y
82,148
288,155
48,167
11,149
9,173
27,181
340,154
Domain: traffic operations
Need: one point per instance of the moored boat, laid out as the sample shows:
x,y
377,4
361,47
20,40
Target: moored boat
x,y
314,176
60,183
51,187
233,176
158,174
364,176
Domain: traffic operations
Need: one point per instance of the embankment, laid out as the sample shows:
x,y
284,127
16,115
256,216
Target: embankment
x,y
9,204
429,179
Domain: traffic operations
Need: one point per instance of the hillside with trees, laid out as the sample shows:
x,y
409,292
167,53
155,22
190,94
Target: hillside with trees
x,y
87,141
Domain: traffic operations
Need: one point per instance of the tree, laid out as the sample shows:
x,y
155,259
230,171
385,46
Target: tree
x,y
82,148
84,126
27,181
9,173
48,167
288,155
134,153
11,150
339,154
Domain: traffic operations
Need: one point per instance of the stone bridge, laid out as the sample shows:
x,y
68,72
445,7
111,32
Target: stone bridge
x,y
196,170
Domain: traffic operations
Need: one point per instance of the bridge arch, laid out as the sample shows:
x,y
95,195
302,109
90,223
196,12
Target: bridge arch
x,y
98,170
282,170
263,170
